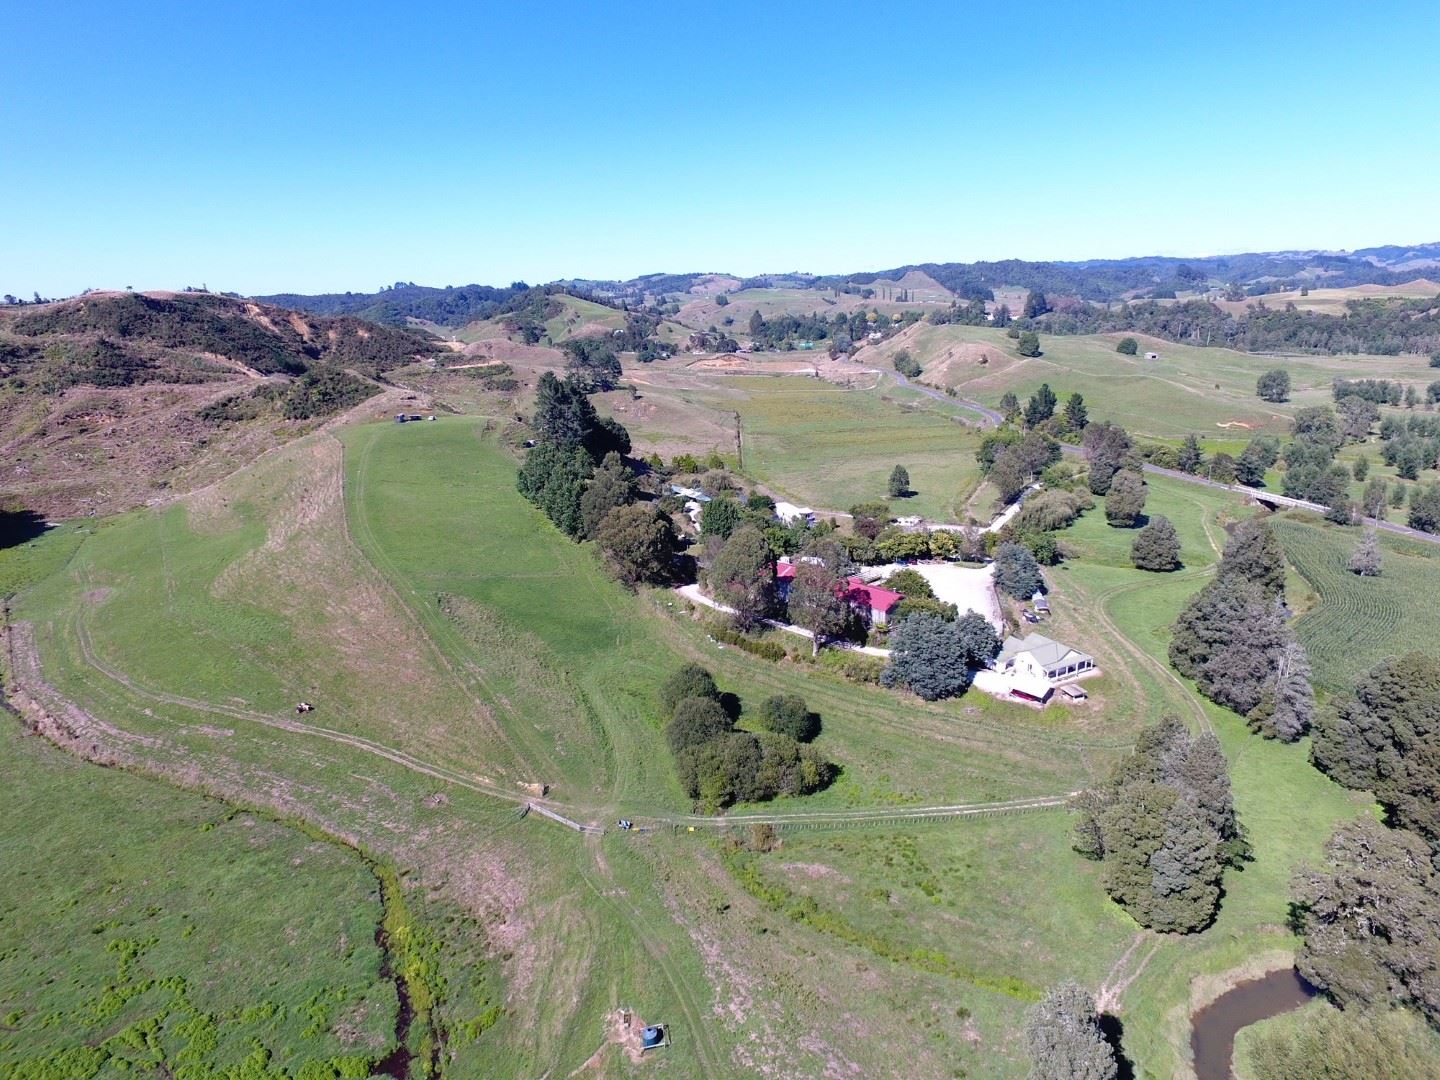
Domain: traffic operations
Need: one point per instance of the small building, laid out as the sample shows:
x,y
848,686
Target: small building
x,y
789,513
1073,692
872,601
1040,604
692,493
1038,656
1152,356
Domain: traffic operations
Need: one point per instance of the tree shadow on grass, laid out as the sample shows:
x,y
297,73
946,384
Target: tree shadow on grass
x,y
19,526
1112,1028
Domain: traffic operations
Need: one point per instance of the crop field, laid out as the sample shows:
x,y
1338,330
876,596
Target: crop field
x,y
1205,391
1357,622
1333,301
144,926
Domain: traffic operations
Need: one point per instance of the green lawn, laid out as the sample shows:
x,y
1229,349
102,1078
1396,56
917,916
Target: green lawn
x,y
149,930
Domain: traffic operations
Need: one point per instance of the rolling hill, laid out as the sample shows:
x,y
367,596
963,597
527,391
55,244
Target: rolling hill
x,y
114,399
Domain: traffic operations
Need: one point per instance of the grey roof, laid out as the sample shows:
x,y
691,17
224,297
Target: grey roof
x,y
1047,653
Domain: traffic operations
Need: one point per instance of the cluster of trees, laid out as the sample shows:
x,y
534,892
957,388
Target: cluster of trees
x,y
1410,444
1164,827
1233,641
841,330
1370,917
1384,326
392,305
577,474
937,658
592,363
1311,472
1011,460
720,765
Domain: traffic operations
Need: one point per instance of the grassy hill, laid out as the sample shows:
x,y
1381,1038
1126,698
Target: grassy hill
x,y
1207,392
113,399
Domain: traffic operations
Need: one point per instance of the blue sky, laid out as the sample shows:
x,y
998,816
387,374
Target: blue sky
x,y
323,146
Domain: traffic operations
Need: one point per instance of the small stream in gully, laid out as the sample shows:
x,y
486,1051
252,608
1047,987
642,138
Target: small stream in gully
x,y
1213,1028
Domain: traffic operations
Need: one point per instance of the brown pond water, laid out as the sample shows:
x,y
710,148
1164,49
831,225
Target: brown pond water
x,y
1213,1028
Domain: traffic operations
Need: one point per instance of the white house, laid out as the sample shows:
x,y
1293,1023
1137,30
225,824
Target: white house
x,y
1036,657
789,513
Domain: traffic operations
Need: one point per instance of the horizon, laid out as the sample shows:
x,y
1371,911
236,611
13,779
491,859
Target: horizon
x,y
281,151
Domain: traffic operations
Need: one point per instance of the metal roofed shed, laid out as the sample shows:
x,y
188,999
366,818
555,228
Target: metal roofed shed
x,y
1073,692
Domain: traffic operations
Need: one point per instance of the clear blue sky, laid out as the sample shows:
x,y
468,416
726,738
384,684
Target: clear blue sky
x,y
324,146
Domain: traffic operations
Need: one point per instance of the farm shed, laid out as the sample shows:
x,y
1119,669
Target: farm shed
x,y
1073,692
1039,656
1040,604
1152,356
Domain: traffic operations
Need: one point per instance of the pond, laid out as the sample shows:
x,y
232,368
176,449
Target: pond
x,y
1213,1028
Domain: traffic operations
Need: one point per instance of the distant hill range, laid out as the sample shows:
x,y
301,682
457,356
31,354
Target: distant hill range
x,y
112,399
1096,280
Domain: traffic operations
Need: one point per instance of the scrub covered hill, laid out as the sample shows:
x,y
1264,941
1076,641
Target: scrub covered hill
x,y
111,399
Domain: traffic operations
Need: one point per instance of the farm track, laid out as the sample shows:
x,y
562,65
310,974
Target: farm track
x,y
571,816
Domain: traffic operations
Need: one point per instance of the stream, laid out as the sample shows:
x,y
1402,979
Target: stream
x,y
1213,1028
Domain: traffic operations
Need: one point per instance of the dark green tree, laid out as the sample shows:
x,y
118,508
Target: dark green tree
x,y
690,681
1017,573
1191,457
1076,415
1125,501
817,601
1157,546
1010,406
1274,385
1035,304
787,714
638,543
1227,639
1425,508
899,485
1028,344
1041,406
610,487
553,477
742,576
1253,553
1385,738
696,720
1106,446
1128,346
721,517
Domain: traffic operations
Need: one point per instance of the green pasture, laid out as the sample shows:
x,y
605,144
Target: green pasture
x,y
1189,389
505,654
821,445
148,930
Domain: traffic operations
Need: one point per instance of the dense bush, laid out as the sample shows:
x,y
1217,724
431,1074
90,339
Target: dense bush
x,y
766,650
787,714
690,681
937,659
1157,546
1064,1039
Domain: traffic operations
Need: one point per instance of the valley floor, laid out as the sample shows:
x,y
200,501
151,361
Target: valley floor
x,y
458,651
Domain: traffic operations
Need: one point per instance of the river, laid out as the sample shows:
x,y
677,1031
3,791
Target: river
x,y
1213,1028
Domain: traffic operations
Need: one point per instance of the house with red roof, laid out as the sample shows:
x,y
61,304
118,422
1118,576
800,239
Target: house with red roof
x,y
873,602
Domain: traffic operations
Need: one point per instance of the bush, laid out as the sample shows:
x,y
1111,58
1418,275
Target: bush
x,y
911,583
857,667
691,681
1128,345
787,714
766,650
696,721
906,364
